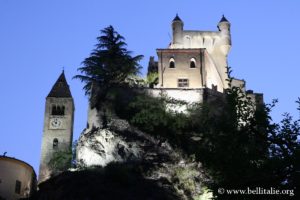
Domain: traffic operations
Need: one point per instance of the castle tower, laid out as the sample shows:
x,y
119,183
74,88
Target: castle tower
x,y
177,29
58,125
224,25
224,28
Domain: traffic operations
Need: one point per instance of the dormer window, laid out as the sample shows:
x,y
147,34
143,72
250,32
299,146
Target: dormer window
x,y
171,63
192,63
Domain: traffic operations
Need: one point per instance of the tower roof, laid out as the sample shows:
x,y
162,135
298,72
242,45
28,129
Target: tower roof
x,y
223,19
60,88
177,18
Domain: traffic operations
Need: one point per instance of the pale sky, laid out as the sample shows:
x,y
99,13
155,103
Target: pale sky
x,y
39,38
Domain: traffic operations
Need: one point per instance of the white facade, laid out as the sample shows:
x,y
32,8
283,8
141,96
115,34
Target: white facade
x,y
197,58
196,61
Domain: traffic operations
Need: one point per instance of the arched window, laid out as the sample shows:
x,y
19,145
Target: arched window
x,y
53,111
55,143
171,63
192,63
58,110
63,110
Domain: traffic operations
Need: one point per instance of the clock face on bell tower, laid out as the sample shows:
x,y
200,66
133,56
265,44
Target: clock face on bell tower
x,y
58,125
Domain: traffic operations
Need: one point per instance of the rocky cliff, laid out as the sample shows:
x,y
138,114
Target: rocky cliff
x,y
121,162
119,142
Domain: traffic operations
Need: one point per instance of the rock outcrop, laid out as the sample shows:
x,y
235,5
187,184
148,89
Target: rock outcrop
x,y
119,142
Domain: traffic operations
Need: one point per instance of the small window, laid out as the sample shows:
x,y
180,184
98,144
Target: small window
x,y
55,143
183,82
172,63
53,111
58,110
18,187
63,110
193,63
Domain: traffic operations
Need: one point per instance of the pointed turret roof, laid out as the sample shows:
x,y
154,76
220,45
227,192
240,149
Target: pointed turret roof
x,y
177,18
223,19
60,88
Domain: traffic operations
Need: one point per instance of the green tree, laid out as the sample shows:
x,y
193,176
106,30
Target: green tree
x,y
60,161
109,64
152,79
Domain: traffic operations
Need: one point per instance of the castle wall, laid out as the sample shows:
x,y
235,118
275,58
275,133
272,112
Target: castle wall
x,y
187,95
182,70
256,98
239,83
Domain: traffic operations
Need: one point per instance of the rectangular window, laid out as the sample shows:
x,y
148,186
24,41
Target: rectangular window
x,y
18,187
184,82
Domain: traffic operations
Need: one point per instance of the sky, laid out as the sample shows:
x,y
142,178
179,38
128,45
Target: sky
x,y
40,38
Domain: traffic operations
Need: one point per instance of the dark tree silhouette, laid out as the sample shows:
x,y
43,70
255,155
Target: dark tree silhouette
x,y
109,64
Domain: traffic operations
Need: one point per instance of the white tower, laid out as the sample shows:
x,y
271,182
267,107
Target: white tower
x,y
224,28
177,29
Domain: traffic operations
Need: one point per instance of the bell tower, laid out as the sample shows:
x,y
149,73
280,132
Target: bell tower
x,y
58,125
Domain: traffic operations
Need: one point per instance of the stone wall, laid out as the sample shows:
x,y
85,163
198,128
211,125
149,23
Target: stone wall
x,y
187,95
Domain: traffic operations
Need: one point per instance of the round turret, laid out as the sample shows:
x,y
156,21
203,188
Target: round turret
x,y
225,41
177,29
224,25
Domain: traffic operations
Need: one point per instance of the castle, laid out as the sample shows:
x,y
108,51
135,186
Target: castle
x,y
195,64
192,68
195,59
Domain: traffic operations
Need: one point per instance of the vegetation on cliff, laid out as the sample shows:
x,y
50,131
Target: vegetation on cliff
x,y
238,144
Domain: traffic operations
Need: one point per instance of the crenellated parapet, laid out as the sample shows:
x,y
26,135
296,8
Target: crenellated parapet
x,y
210,40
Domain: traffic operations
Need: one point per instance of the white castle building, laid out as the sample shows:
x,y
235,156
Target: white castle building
x,y
195,59
195,64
